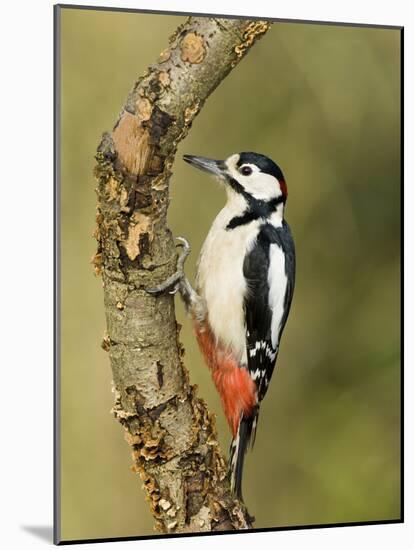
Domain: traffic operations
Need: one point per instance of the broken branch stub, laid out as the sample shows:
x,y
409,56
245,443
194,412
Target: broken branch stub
x,y
170,430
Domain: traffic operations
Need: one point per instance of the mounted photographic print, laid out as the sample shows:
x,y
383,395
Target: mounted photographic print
x,y
228,274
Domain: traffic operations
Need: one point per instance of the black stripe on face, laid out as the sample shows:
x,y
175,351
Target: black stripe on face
x,y
256,209
236,186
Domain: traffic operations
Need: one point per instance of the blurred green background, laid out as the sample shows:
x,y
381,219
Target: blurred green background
x,y
324,103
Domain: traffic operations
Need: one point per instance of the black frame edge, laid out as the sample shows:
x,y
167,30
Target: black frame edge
x,y
245,531
227,16
56,276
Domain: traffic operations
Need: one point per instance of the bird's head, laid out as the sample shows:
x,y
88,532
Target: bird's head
x,y
254,176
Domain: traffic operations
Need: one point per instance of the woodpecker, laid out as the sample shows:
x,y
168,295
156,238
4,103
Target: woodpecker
x,y
243,293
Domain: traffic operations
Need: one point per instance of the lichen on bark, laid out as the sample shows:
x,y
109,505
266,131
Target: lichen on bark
x,y
170,431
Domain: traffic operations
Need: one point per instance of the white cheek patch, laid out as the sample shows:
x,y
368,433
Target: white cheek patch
x,y
258,184
261,186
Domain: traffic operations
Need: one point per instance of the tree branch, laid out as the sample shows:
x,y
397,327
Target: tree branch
x,y
170,430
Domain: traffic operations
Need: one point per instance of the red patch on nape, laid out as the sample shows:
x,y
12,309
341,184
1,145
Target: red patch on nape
x,y
283,188
234,384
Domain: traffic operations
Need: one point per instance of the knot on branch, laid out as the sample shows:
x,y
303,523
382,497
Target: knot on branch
x,y
192,48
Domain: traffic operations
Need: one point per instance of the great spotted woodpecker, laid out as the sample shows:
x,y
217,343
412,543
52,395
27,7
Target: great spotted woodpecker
x,y
244,288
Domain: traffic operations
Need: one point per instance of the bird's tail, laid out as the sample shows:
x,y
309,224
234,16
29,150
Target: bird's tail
x,y
245,436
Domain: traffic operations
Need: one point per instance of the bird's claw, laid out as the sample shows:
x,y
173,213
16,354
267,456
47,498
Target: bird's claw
x,y
172,284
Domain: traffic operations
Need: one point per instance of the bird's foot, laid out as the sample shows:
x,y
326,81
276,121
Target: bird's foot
x,y
172,284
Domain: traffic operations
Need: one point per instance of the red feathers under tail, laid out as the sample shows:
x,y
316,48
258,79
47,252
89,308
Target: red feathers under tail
x,y
234,384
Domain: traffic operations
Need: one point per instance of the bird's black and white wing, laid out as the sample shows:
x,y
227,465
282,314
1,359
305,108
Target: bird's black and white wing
x,y
269,269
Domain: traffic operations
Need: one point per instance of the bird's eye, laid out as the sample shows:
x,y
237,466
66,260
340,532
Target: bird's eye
x,y
246,170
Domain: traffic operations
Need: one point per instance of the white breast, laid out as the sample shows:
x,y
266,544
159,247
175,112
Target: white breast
x,y
221,283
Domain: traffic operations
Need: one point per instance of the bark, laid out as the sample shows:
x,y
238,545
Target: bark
x,y
169,428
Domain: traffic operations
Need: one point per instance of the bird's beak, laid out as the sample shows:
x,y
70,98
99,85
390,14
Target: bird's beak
x,y
214,167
